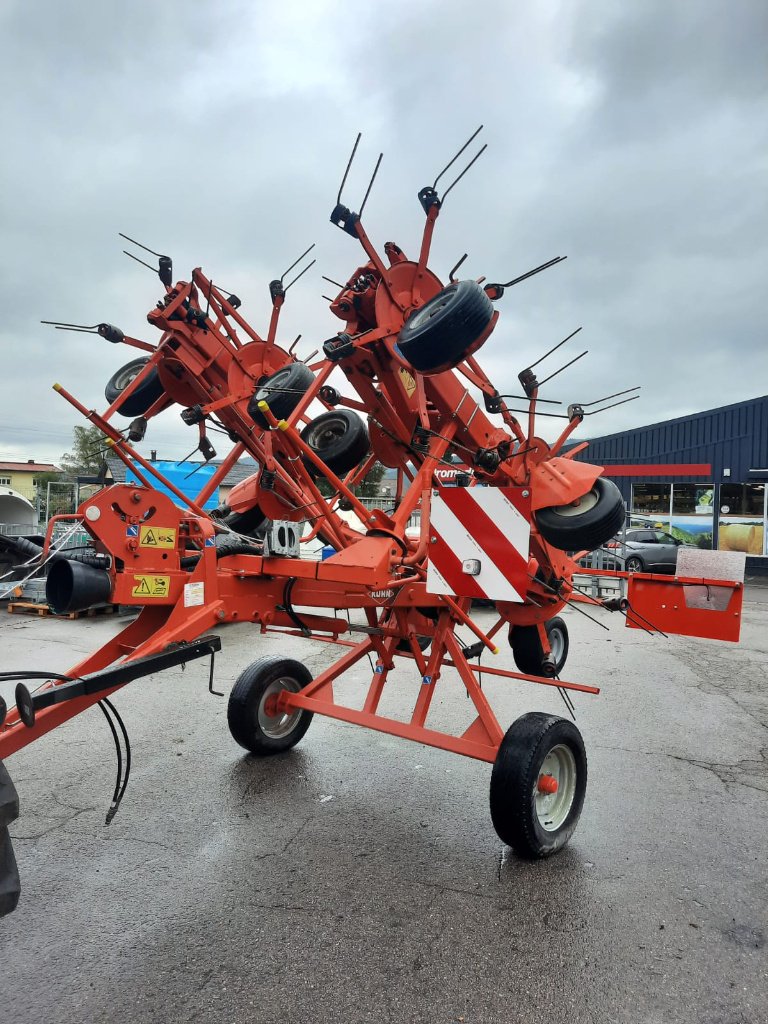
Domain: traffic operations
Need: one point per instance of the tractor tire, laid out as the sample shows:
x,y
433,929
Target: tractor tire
x,y
594,519
537,750
445,329
143,398
282,391
339,438
10,886
527,651
250,724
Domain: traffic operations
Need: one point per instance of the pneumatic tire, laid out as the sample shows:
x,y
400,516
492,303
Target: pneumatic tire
x,y
145,395
446,328
248,712
282,391
538,784
583,526
528,652
338,437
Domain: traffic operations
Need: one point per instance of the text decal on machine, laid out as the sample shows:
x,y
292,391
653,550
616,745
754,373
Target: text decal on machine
x,y
151,586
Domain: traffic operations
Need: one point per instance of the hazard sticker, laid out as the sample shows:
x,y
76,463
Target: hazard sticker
x,y
409,381
151,586
157,537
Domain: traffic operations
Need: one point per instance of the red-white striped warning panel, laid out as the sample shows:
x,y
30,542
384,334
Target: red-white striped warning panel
x,y
479,540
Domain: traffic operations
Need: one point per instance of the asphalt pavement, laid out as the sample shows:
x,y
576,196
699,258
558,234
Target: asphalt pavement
x,y
358,878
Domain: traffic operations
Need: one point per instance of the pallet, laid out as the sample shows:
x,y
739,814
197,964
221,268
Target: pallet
x,y
31,607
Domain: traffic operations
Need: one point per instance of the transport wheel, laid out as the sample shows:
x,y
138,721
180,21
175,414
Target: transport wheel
x,y
143,397
282,391
339,438
634,564
538,784
10,887
444,330
591,521
251,716
527,651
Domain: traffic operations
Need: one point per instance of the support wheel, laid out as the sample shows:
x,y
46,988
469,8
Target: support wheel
x,y
446,328
251,716
538,784
596,517
145,395
527,650
282,392
339,438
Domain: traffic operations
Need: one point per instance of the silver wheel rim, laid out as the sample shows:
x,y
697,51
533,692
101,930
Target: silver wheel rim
x,y
126,375
584,504
273,385
633,565
323,435
429,310
552,809
277,727
557,644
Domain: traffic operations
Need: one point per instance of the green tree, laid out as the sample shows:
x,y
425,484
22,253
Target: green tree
x,y
87,455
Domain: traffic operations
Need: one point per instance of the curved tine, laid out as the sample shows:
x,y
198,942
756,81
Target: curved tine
x,y
597,401
557,346
349,164
474,159
282,276
300,274
611,406
454,269
144,247
62,325
455,158
370,184
536,270
147,265
577,358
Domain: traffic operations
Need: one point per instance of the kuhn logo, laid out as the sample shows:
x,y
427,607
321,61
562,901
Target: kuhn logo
x,y
382,595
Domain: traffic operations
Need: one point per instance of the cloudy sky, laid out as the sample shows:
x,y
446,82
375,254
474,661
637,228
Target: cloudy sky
x,y
631,137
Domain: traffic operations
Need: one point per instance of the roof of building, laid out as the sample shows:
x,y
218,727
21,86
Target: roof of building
x,y
30,466
242,469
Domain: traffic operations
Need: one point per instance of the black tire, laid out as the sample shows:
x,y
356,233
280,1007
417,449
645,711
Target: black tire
x,y
533,823
634,564
339,438
10,887
143,397
444,330
282,391
249,724
598,516
251,523
527,650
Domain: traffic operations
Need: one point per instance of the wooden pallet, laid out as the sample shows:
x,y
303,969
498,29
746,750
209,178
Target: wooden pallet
x,y
31,608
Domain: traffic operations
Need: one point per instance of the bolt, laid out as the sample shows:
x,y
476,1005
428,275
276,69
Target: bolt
x,y
433,540
526,494
221,615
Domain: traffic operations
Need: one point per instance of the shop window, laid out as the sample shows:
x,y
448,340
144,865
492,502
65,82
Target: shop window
x,y
650,498
742,518
693,499
742,499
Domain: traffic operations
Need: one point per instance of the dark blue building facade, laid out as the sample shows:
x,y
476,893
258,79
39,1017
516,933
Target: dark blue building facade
x,y
725,507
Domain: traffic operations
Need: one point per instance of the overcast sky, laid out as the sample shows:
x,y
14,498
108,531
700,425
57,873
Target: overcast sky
x,y
630,137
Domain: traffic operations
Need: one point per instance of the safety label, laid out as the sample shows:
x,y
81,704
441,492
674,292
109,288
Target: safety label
x,y
151,586
157,537
194,594
409,381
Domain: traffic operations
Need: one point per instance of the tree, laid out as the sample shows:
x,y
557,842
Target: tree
x,y
87,455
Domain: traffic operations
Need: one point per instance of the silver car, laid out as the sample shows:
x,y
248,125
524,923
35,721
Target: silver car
x,y
640,550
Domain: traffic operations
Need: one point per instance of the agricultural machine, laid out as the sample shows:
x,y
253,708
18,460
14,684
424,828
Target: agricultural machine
x,y
399,384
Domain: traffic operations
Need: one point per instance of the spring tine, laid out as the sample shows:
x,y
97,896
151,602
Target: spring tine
x,y
144,247
285,272
455,158
612,406
301,274
331,281
522,398
454,269
147,265
536,270
597,401
564,367
557,346
474,159
70,327
295,343
349,164
370,184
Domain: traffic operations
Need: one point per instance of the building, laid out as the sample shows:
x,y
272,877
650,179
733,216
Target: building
x,y
23,476
720,503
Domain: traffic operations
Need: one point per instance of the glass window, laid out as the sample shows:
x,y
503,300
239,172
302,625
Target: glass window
x,y
693,499
649,498
5,480
742,499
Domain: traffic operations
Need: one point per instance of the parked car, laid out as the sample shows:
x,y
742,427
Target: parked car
x,y
644,550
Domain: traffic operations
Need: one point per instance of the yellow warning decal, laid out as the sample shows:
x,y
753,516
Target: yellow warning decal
x,y
157,537
151,586
409,381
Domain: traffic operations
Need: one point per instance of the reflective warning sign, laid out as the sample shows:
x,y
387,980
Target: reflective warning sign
x,y
409,381
151,586
157,537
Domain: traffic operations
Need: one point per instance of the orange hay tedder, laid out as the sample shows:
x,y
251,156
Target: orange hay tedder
x,y
414,398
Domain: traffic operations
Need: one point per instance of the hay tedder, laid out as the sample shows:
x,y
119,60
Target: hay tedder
x,y
399,385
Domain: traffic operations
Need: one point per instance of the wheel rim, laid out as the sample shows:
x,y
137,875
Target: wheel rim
x,y
584,504
421,316
269,387
633,565
552,808
323,435
124,377
556,644
276,727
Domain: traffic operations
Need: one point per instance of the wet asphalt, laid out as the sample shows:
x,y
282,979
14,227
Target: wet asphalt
x,y
358,878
